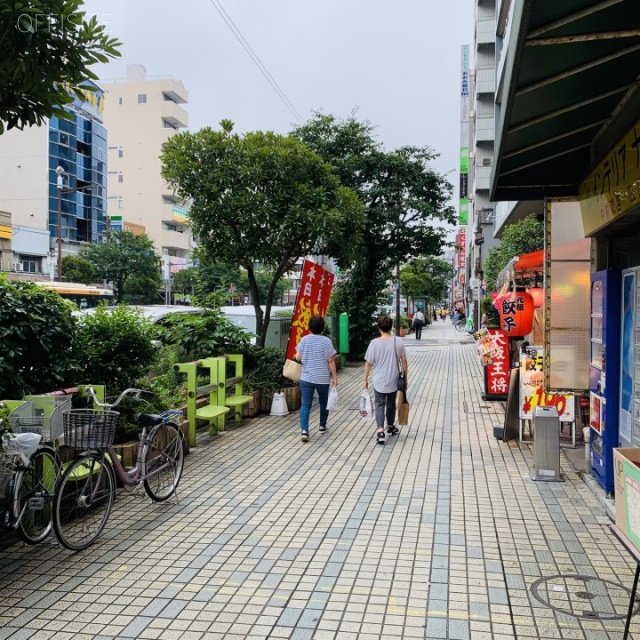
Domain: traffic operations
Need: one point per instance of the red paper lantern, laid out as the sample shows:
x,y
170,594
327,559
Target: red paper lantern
x,y
516,313
537,293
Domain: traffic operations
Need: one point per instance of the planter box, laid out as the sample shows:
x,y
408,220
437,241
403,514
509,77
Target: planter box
x,y
254,407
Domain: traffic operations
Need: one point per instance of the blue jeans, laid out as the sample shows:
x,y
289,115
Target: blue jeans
x,y
307,390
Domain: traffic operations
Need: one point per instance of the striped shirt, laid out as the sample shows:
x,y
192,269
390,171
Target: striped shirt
x,y
315,352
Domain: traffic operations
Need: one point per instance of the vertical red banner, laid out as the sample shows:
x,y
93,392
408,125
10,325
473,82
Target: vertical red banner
x,y
313,299
496,374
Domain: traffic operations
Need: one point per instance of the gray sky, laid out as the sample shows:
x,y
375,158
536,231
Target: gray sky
x,y
397,63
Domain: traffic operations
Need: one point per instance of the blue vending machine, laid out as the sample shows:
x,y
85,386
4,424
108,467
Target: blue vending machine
x,y
604,377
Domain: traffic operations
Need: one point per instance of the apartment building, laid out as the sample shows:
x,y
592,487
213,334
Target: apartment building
x,y
142,112
53,184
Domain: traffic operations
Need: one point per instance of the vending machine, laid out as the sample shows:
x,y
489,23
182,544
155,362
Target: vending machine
x,y
604,375
629,435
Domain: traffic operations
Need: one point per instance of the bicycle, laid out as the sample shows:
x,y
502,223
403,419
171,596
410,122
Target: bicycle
x,y
86,490
460,325
28,474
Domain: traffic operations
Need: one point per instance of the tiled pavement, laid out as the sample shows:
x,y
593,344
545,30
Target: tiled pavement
x,y
438,534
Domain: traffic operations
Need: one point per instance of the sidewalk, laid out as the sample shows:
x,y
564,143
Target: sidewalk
x,y
440,533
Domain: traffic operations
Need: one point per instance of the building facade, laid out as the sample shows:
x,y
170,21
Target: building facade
x,y
142,112
45,204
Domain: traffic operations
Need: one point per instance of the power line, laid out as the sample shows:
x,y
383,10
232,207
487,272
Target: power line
x,y
255,58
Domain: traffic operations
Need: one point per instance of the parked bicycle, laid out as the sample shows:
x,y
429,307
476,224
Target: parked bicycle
x,y
28,474
460,325
86,490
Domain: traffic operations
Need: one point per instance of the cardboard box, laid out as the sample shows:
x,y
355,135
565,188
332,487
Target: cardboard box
x,y
627,483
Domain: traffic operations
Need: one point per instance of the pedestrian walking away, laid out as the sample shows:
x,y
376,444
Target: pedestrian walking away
x,y
387,357
316,352
418,323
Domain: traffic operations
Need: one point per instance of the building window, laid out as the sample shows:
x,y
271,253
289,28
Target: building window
x,y
120,202
120,100
28,264
142,98
120,152
120,177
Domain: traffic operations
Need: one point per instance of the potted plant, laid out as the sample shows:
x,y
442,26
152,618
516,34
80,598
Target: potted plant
x,y
488,309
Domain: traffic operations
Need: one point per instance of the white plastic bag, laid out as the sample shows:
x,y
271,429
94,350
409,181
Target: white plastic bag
x,y
366,408
332,401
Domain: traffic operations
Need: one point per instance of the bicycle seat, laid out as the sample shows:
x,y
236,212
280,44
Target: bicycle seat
x,y
148,419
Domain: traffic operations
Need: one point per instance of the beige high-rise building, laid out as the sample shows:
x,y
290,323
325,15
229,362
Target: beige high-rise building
x,y
141,113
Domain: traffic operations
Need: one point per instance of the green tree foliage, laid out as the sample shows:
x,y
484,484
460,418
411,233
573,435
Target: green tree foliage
x,y
405,206
261,198
78,269
427,278
204,335
126,256
37,335
116,347
524,236
264,278
48,47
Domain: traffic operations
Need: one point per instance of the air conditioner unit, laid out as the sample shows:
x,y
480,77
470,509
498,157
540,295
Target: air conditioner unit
x,y
487,162
18,266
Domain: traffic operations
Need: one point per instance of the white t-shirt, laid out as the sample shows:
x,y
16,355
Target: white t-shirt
x,y
384,355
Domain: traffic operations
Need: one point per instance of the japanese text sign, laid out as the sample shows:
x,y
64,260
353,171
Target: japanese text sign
x,y
498,370
313,300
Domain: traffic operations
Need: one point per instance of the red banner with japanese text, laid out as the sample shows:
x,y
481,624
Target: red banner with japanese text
x,y
313,300
498,371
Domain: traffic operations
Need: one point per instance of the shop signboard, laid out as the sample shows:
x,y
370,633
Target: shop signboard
x,y
532,393
497,370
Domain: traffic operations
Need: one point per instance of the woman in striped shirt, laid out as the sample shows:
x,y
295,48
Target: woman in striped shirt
x,y
316,353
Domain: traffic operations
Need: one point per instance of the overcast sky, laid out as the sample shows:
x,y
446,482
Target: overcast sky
x,y
397,63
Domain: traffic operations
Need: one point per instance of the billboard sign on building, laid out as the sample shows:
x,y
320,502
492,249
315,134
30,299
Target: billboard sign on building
x,y
463,216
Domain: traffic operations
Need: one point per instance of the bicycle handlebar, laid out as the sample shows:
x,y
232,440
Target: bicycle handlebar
x,y
136,394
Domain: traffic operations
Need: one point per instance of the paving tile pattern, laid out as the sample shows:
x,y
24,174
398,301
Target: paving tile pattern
x,y
440,533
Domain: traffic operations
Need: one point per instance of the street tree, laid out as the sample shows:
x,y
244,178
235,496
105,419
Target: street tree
x,y
524,236
48,47
406,210
427,278
77,269
264,278
126,257
261,200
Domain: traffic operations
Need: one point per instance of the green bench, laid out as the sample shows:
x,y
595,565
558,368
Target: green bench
x,y
212,402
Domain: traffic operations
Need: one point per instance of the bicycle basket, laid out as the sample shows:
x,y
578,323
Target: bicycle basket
x,y
89,428
41,415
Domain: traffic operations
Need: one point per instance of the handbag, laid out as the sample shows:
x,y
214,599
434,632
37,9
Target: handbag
x,y
402,381
292,370
403,410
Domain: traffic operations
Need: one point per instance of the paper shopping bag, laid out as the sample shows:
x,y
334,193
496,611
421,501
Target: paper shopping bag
x,y
403,409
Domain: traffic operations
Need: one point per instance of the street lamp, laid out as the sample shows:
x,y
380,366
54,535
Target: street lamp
x,y
61,191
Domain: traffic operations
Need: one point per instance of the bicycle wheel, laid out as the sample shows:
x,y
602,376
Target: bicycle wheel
x,y
460,326
32,494
83,500
163,459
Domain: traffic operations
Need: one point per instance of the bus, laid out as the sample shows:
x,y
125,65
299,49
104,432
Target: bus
x,y
85,296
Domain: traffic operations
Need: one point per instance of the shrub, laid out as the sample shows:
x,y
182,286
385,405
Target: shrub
x,y
38,338
117,347
263,369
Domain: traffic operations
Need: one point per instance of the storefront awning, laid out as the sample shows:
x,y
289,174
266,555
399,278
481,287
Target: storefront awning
x,y
569,90
523,268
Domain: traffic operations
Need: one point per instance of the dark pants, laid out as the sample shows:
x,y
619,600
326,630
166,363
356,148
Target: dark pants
x,y
385,405
418,328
